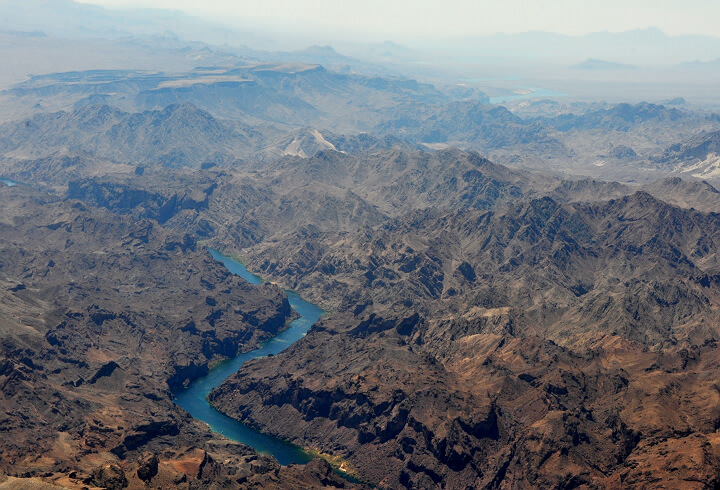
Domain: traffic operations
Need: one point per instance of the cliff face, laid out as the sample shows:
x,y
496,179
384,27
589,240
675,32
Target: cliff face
x,y
100,316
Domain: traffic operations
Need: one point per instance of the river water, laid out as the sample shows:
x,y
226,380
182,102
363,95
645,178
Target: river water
x,y
194,398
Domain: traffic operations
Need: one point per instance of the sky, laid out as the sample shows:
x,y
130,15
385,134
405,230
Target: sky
x,y
407,19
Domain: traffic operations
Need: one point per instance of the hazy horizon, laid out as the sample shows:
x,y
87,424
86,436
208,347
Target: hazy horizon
x,y
550,46
426,19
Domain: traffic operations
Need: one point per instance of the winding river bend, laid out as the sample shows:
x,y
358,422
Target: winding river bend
x,y
194,398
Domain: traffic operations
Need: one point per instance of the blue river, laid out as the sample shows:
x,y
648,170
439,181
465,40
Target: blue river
x,y
194,398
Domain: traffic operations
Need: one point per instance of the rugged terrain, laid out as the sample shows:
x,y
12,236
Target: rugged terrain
x,y
253,112
520,295
599,300
544,344
101,316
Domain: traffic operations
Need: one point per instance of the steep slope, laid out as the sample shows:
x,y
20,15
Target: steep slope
x,y
177,136
686,193
397,180
699,156
306,143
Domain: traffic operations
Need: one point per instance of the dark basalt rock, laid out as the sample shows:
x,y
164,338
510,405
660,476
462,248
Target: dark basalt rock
x,y
109,476
141,435
148,467
467,271
104,371
127,199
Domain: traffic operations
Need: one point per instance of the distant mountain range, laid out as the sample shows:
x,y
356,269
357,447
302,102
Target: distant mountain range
x,y
620,117
593,64
256,113
177,136
66,18
649,47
